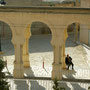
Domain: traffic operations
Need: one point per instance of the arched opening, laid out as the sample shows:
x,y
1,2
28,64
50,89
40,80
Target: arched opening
x,y
75,49
40,49
74,31
39,28
6,46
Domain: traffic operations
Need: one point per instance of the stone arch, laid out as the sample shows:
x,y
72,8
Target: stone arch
x,y
74,29
5,30
10,24
80,22
66,35
27,36
9,41
48,23
39,28
69,22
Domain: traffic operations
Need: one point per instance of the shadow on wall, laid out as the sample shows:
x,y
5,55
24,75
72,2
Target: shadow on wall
x,y
64,85
20,85
40,28
7,47
40,44
36,44
28,84
35,86
5,39
71,86
70,41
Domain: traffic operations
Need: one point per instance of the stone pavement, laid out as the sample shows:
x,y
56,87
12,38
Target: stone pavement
x,y
87,49
46,72
29,84
41,50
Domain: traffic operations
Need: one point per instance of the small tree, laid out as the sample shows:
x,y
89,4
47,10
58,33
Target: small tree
x,y
3,83
55,86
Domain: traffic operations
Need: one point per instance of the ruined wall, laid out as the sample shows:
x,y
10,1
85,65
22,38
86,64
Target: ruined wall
x,y
85,3
22,2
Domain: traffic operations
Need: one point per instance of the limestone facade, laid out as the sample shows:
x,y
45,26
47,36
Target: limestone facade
x,y
85,3
43,29
57,19
25,3
22,2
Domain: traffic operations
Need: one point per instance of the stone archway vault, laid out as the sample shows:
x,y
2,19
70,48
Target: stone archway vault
x,y
57,51
18,17
65,38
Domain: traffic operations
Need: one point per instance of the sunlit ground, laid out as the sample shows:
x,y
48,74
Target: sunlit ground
x,y
40,50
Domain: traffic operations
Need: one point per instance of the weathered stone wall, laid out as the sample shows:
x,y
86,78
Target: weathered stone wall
x,y
20,20
38,28
82,3
84,34
39,2
85,3
22,2
5,31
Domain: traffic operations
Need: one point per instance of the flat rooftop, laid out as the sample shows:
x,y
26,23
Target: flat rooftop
x,y
45,9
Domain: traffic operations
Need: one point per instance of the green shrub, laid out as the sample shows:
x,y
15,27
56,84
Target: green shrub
x,y
55,86
3,83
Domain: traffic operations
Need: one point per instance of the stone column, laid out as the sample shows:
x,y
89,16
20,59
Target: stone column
x,y
63,60
18,63
26,47
26,54
57,43
57,66
18,42
77,3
